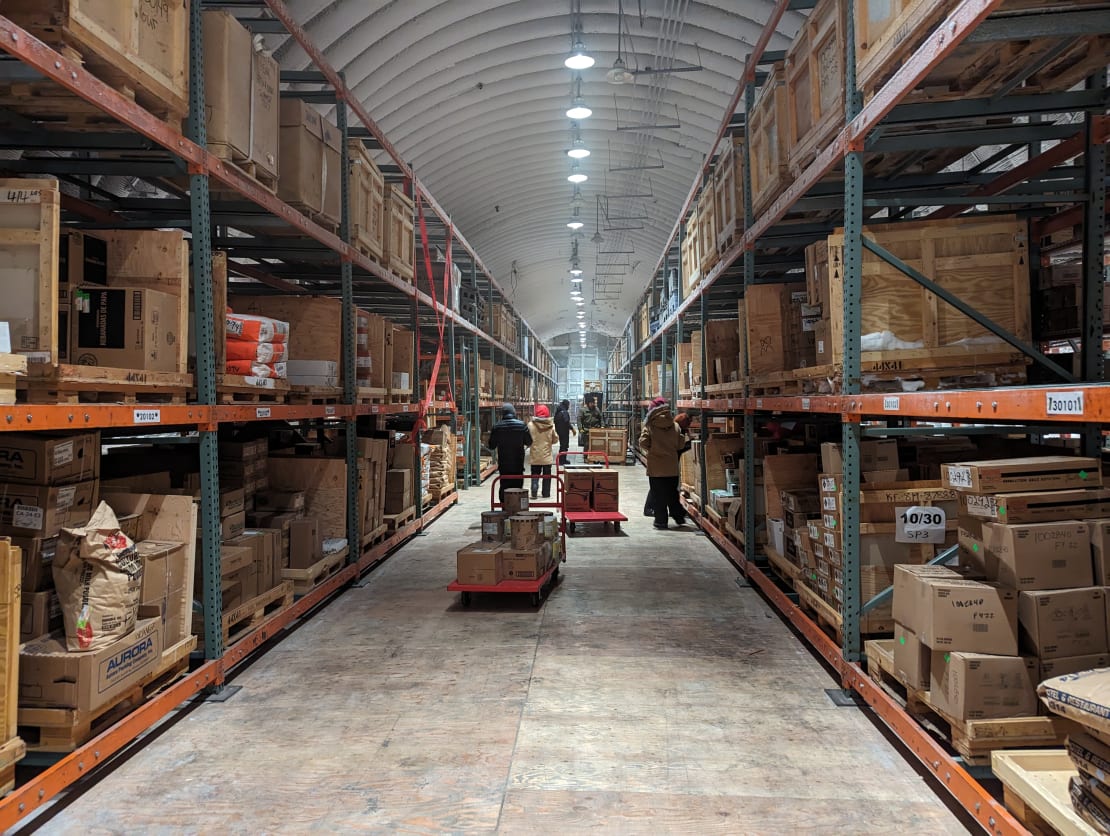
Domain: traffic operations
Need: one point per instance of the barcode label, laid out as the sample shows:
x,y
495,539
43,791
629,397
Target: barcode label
x,y
892,404
27,516
1064,403
63,453
147,416
262,412
329,410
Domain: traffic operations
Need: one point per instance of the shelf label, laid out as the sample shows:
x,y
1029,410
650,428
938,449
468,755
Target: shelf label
x,y
1064,403
892,404
919,524
959,477
375,409
329,410
262,412
759,403
27,516
729,402
805,403
148,416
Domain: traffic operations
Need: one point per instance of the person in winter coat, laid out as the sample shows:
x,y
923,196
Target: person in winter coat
x,y
542,430
509,437
563,428
662,440
589,418
683,421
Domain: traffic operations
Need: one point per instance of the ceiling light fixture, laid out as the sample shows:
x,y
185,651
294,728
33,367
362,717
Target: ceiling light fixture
x,y
578,59
578,109
578,150
577,176
575,224
619,74
576,271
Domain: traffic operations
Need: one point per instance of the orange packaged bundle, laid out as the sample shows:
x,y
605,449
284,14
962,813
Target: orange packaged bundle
x,y
250,368
257,352
256,329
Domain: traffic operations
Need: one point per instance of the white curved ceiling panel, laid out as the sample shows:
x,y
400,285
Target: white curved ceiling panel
x,y
473,93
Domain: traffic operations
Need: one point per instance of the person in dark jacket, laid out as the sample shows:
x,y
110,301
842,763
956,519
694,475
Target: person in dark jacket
x,y
509,437
588,419
563,428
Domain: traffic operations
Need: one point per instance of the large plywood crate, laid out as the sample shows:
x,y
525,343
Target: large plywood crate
x,y
367,201
815,83
728,194
984,262
29,242
139,47
12,748
691,252
768,132
400,238
707,227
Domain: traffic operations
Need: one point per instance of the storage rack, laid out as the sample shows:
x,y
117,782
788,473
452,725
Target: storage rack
x,y
314,260
783,226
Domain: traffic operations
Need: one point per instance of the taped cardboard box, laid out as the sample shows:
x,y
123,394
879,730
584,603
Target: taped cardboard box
x,y
1031,473
480,563
52,677
1100,550
49,460
1038,506
525,564
1038,555
1061,666
957,614
126,328
39,613
42,511
911,658
306,543
166,587
38,562
1064,622
977,686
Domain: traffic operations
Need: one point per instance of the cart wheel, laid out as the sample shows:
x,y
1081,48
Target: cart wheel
x,y
555,575
464,599
616,526
572,528
535,599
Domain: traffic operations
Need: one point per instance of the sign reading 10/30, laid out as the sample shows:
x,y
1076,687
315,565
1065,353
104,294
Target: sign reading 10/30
x,y
920,524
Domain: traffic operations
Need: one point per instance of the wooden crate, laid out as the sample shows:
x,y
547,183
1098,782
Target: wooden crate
x,y
11,573
12,367
768,131
241,99
367,189
1035,788
29,245
728,194
815,83
691,259
139,47
400,241
984,262
707,228
404,345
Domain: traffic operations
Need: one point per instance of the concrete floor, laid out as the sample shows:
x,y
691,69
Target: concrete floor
x,y
649,694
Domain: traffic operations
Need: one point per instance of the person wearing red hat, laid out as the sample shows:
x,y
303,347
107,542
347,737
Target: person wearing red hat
x,y
542,430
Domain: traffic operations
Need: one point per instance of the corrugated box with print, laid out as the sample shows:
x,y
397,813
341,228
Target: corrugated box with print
x,y
480,563
968,615
42,511
976,686
1063,622
525,564
49,460
1038,555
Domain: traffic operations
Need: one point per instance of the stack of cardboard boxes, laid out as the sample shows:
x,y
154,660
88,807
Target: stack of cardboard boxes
x,y
243,465
591,489
508,553
1029,602
46,483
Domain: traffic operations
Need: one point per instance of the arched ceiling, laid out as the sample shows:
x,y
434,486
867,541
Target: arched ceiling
x,y
473,93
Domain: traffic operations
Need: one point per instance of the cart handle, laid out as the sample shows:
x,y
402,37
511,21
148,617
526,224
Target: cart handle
x,y
559,462
560,487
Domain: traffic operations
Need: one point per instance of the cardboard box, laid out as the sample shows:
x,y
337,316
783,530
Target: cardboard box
x,y
52,677
1064,665
247,578
977,686
125,328
909,592
49,460
39,613
525,564
1100,550
576,501
301,166
580,481
1063,622
1038,506
1040,555
233,525
480,563
911,658
40,511
165,571
874,455
1031,473
976,617
269,558
242,451
279,501
232,501
306,544
398,491
38,562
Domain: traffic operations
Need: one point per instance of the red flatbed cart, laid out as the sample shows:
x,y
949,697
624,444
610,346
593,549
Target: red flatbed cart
x,y
574,517
539,588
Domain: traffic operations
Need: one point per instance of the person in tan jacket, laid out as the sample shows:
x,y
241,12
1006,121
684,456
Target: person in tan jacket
x,y
663,441
542,429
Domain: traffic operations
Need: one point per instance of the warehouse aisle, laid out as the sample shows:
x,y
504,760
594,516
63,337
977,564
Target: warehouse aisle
x,y
650,694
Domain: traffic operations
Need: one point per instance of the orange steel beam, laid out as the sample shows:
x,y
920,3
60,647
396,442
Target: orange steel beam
x,y
971,795
90,416
78,764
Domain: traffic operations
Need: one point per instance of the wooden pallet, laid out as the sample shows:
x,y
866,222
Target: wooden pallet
x,y
1035,790
61,730
400,396
249,615
396,521
69,384
234,388
778,383
11,753
371,395
374,537
315,395
787,572
827,616
245,167
12,367
305,580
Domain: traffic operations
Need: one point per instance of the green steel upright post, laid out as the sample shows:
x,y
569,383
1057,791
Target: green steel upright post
x,y
678,334
1094,255
203,327
452,375
704,359
350,381
853,269
663,346
749,279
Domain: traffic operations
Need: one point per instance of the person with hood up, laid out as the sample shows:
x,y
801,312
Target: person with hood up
x,y
509,437
563,428
542,430
663,441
